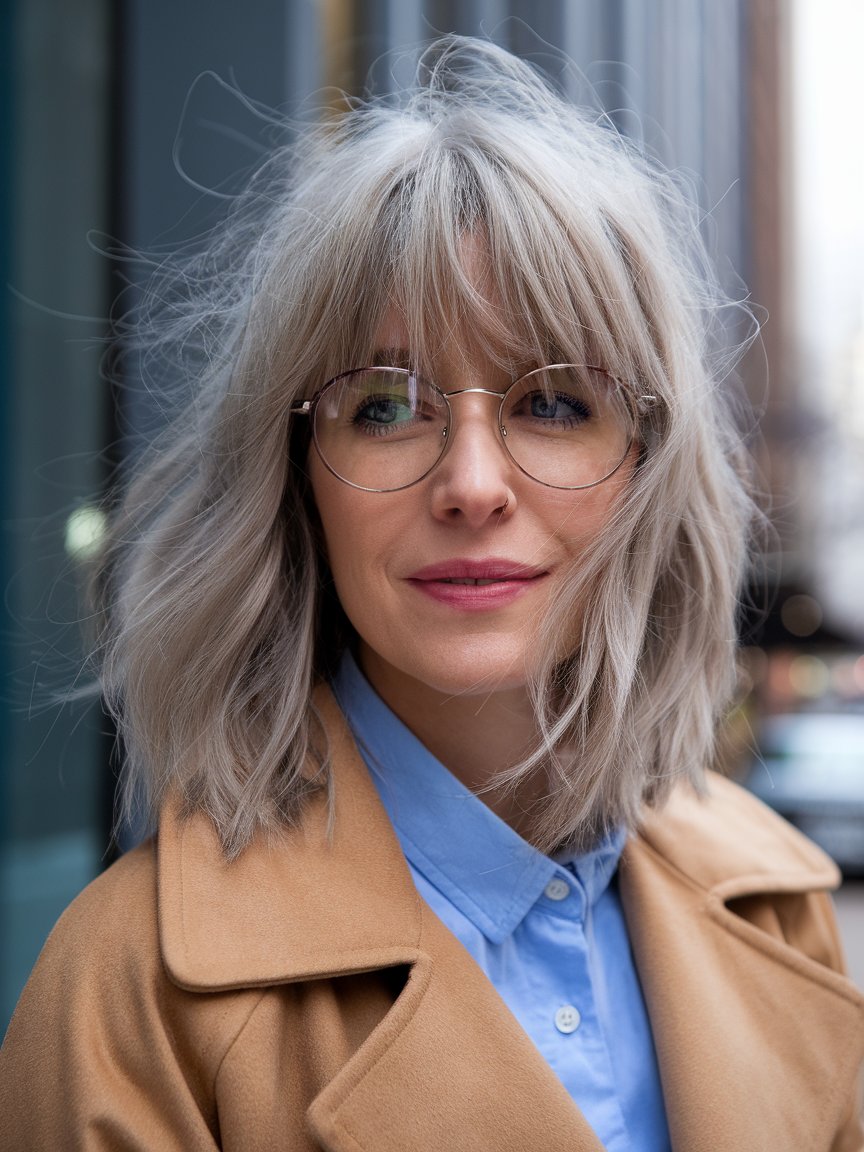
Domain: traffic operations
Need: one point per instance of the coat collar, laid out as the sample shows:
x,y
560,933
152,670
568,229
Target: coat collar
x,y
278,912
335,897
331,897
732,846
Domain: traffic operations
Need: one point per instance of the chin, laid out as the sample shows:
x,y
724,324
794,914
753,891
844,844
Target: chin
x,y
497,680
469,673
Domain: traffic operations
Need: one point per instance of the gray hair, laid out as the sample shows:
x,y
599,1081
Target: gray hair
x,y
217,616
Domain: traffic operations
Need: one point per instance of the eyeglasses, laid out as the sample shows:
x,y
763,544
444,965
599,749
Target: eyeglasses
x,y
382,429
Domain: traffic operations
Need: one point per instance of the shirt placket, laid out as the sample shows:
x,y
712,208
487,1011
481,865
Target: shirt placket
x,y
564,1021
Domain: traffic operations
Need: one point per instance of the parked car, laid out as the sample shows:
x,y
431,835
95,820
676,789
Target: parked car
x,y
810,768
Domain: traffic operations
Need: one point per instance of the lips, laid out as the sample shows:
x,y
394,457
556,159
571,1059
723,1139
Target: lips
x,y
487,570
477,585
468,580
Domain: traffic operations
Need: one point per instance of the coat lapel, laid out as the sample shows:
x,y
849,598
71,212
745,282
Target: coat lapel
x,y
449,1067
758,1043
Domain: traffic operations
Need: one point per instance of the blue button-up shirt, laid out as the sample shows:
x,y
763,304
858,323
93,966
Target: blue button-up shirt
x,y
549,934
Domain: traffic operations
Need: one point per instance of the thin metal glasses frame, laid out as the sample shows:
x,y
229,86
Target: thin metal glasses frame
x,y
636,404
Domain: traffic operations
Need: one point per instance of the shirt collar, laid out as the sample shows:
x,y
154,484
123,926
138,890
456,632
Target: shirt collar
x,y
475,859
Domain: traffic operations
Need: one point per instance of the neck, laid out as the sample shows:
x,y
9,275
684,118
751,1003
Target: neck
x,y
474,736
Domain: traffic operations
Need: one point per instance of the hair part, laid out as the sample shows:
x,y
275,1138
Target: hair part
x,y
217,613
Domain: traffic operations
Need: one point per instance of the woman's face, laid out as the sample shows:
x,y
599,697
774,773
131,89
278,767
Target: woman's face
x,y
405,563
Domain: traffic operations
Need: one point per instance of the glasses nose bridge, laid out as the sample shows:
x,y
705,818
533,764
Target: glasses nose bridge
x,y
493,392
484,391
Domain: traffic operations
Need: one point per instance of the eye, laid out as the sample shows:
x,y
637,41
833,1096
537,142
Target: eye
x,y
558,406
388,403
383,411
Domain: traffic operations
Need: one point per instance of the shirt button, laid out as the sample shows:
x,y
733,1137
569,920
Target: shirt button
x,y
557,889
567,1019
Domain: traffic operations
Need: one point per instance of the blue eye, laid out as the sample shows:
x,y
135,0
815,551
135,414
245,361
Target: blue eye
x,y
392,415
558,406
383,410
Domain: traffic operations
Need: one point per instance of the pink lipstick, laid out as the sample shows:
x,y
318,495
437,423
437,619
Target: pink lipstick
x,y
477,585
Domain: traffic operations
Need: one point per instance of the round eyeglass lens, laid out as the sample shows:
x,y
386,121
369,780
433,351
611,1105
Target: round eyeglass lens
x,y
380,428
568,426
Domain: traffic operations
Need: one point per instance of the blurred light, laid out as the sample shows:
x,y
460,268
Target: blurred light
x,y
844,679
779,688
85,530
801,615
809,676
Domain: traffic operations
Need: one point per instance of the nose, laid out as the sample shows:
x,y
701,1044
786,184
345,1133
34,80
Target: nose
x,y
474,480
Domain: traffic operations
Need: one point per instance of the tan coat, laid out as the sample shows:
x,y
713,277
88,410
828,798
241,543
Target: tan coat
x,y
304,997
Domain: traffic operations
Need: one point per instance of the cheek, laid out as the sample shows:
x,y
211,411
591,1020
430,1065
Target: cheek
x,y
589,511
579,519
339,521
355,532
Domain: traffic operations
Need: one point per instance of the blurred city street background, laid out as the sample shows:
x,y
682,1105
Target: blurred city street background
x,y
125,128
850,911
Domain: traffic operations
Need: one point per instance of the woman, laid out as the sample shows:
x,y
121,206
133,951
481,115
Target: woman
x,y
417,631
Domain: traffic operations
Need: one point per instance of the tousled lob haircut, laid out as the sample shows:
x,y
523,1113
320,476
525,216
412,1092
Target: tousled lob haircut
x,y
215,608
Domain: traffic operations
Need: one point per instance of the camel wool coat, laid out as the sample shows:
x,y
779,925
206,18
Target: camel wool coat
x,y
303,997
